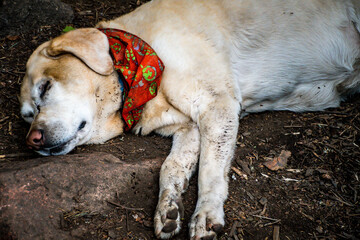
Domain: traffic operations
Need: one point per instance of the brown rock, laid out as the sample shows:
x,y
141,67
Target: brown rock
x,y
33,190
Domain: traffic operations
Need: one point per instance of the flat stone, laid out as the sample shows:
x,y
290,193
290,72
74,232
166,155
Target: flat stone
x,y
35,193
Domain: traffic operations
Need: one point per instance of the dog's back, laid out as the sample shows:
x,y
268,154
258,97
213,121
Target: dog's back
x,y
284,55
297,55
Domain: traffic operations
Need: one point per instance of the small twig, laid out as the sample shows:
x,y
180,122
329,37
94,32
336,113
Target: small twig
x,y
294,170
292,133
354,215
354,126
85,13
289,179
355,193
337,114
255,212
13,45
340,199
3,119
266,218
15,155
240,173
332,147
264,175
316,155
337,198
267,176
271,223
124,207
307,216
351,121
233,228
346,129
258,223
127,220
295,126
264,210
19,72
316,238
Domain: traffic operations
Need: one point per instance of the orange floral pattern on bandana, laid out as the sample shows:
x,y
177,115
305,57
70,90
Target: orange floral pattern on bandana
x,y
140,71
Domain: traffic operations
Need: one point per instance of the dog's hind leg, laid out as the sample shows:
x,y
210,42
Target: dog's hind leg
x,y
218,130
174,178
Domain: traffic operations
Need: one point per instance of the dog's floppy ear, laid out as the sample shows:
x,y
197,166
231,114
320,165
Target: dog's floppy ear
x,y
88,44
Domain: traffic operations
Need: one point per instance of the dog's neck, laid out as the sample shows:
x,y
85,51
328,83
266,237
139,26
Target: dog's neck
x,y
140,69
108,99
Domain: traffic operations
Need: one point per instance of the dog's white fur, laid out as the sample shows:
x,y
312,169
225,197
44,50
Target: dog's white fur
x,y
223,58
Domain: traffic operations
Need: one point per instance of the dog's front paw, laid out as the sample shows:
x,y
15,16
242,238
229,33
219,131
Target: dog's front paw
x,y
206,223
169,212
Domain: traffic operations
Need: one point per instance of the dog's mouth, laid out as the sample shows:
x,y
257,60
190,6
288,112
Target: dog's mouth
x,y
60,149
47,145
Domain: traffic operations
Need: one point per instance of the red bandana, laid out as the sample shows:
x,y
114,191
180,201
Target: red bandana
x,y
139,69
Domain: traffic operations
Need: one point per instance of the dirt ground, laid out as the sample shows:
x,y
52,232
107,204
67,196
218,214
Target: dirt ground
x,y
316,196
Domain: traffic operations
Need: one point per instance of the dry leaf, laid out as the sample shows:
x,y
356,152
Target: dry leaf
x,y
278,162
12,38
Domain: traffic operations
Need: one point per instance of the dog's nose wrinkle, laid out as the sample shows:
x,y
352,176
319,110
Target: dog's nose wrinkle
x,y
35,139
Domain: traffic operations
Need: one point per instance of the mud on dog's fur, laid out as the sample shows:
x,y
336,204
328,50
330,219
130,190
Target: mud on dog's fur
x,y
223,59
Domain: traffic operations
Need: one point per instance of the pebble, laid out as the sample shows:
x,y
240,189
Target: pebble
x,y
263,201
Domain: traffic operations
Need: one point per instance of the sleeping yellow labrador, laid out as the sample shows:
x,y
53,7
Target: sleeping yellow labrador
x,y
215,61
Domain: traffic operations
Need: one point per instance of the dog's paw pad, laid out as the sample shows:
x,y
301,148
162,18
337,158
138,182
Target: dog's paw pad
x,y
168,218
169,226
172,214
206,225
217,228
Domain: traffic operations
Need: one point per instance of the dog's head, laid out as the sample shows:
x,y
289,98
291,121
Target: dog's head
x,y
70,93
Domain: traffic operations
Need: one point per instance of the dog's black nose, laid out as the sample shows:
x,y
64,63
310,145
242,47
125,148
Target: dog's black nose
x,y
35,139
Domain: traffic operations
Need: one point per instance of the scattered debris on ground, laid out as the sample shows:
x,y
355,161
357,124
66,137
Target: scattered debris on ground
x,y
308,190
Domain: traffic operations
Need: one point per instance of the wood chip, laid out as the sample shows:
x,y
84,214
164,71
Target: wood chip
x,y
276,233
240,173
244,166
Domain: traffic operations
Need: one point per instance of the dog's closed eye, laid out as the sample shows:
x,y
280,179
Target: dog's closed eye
x,y
82,125
44,88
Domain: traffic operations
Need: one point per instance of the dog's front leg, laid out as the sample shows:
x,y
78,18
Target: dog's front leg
x,y
218,130
174,178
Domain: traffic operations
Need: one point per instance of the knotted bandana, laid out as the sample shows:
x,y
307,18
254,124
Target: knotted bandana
x,y
139,70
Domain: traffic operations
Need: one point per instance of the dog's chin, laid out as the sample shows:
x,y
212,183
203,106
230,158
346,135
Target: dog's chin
x,y
60,149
